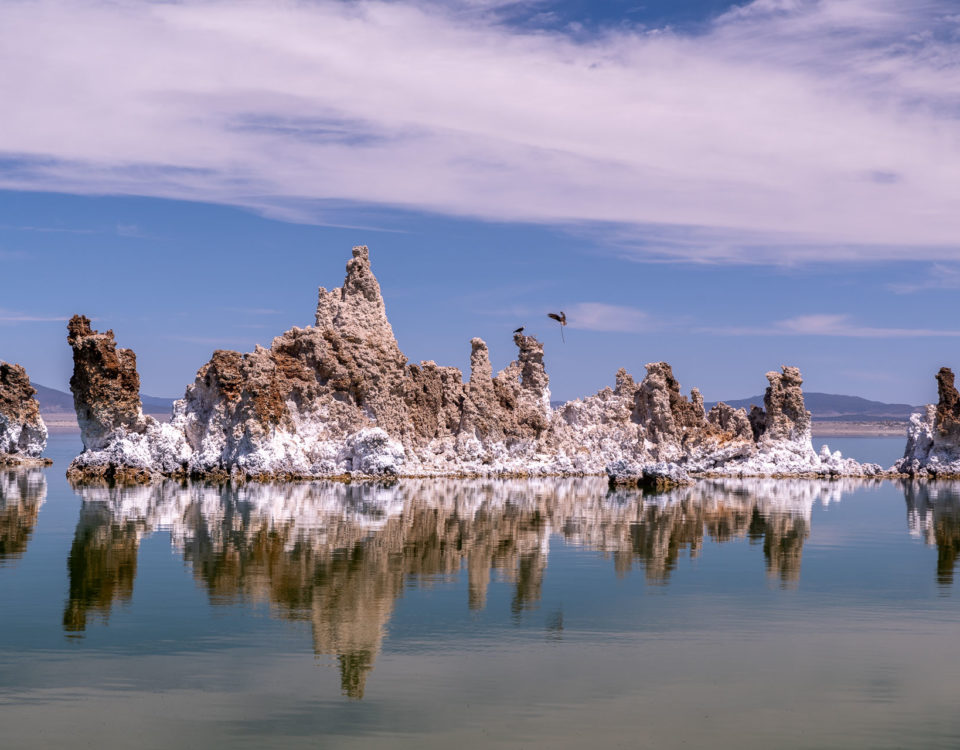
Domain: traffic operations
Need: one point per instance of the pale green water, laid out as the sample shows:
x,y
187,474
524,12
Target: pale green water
x,y
475,614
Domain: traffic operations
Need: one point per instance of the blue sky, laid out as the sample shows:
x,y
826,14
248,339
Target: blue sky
x,y
727,188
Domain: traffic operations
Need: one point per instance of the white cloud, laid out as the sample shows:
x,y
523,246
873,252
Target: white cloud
x,y
828,325
789,130
598,316
128,230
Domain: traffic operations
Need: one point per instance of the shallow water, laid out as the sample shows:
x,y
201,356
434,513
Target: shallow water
x,y
748,614
877,450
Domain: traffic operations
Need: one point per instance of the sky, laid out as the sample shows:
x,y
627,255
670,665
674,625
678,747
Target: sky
x,y
727,187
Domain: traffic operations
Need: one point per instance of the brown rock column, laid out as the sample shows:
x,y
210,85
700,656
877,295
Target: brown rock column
x,y
105,384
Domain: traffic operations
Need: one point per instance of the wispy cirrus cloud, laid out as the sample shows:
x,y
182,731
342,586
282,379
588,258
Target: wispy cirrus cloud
x,y
939,276
254,310
782,131
12,316
59,230
226,342
828,325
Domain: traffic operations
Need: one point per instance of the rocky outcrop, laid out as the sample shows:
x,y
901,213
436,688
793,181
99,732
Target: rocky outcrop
x,y
783,439
339,398
727,442
933,437
119,441
23,435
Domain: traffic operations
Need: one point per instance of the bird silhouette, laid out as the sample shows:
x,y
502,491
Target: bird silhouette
x,y
562,320
519,330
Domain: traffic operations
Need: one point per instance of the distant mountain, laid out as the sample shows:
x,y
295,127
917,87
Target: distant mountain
x,y
54,401
836,408
154,404
831,407
823,406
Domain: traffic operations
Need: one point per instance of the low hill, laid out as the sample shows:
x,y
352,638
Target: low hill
x,y
53,401
832,407
823,406
836,408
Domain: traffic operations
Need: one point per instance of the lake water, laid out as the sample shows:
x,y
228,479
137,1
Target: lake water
x,y
425,614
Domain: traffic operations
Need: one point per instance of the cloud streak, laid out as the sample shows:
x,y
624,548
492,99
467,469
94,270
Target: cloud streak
x,y
782,132
11,317
829,325
940,276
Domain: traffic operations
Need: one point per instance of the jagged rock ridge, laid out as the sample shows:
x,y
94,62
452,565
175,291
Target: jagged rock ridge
x,y
340,398
23,435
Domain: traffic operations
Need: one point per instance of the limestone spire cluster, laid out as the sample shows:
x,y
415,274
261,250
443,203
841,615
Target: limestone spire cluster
x,y
339,398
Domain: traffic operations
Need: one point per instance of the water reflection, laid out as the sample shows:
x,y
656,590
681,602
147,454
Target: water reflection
x,y
102,564
933,513
22,492
338,556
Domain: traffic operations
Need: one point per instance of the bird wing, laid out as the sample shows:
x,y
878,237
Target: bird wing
x,y
555,317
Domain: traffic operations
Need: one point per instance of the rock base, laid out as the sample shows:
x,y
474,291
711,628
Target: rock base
x,y
17,459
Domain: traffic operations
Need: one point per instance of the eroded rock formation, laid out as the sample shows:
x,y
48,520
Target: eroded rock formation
x,y
339,398
775,441
23,435
933,437
119,441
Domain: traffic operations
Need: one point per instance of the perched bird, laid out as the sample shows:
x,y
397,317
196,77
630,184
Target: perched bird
x,y
562,320
519,330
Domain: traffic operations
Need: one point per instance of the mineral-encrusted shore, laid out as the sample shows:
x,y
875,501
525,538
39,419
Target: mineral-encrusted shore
x,y
23,435
339,399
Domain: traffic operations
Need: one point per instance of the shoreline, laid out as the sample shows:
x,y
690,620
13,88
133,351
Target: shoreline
x,y
859,429
94,475
63,423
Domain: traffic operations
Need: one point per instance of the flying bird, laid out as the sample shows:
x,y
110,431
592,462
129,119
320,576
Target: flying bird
x,y
562,320
519,330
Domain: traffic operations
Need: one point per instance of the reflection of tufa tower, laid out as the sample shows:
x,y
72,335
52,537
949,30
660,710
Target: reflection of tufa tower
x,y
724,510
340,555
783,536
22,492
933,512
102,564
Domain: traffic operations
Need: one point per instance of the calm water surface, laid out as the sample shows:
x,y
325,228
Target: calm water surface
x,y
750,614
